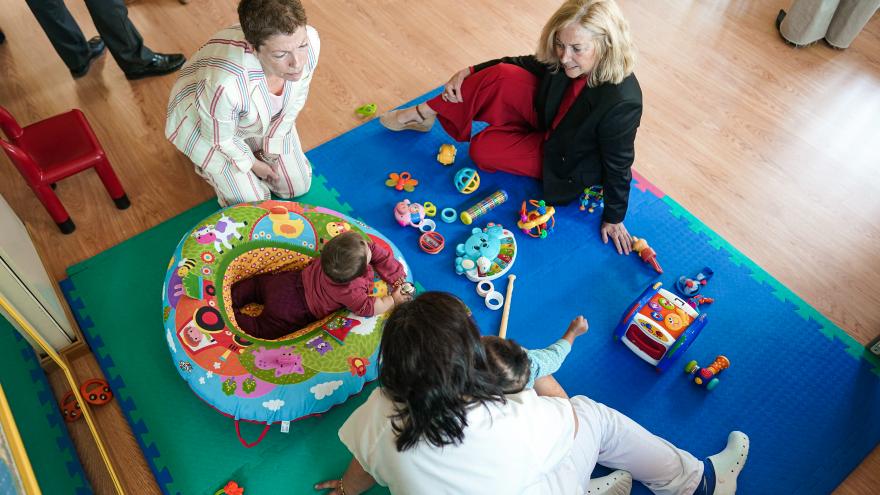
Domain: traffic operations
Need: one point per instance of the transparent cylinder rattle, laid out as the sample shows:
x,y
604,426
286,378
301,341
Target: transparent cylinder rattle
x,y
484,206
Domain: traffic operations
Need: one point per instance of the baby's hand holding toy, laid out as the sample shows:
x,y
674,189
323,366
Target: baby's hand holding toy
x,y
400,295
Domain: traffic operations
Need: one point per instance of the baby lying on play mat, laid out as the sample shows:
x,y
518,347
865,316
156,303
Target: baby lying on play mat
x,y
517,368
342,276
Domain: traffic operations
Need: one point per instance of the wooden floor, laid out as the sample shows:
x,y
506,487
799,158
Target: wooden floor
x,y
777,149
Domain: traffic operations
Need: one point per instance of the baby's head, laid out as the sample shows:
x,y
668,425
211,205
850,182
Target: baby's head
x,y
508,361
345,257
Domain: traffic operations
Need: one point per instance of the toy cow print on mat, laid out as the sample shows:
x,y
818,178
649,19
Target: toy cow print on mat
x,y
219,233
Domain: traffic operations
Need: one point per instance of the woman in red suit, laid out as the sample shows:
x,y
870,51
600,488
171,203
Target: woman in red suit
x,y
567,115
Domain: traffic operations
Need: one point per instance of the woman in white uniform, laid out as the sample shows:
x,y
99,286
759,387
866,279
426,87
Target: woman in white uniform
x,y
233,108
440,424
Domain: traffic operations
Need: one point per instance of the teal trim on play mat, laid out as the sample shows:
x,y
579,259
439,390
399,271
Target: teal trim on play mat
x,y
781,292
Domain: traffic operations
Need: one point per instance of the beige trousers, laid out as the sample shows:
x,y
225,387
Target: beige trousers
x,y
838,21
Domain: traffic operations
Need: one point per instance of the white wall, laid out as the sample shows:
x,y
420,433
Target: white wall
x,y
26,285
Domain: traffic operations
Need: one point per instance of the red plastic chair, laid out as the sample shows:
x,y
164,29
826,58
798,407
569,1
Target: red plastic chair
x,y
56,148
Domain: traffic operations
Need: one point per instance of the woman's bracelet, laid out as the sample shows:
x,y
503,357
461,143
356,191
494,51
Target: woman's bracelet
x,y
340,488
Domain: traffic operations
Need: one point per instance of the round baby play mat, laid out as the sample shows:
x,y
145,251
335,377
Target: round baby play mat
x,y
305,372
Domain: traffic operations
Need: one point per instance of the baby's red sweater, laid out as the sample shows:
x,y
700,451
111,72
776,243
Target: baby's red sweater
x,y
324,296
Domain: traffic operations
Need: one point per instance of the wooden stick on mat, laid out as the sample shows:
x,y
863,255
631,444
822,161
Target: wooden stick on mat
x,y
502,332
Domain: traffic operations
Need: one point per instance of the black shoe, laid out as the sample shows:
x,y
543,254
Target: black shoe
x,y
779,18
96,49
161,64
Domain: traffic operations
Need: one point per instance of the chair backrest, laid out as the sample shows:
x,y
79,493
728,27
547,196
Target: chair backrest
x,y
10,126
24,163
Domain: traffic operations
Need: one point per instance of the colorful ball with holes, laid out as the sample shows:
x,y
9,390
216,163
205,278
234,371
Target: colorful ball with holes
x,y
305,372
467,180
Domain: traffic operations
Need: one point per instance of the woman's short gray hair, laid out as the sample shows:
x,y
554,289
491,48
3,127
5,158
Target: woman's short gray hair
x,y
615,51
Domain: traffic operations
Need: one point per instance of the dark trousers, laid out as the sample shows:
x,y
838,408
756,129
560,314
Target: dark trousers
x,y
284,304
111,20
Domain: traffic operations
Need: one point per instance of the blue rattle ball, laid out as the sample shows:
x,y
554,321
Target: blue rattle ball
x,y
467,180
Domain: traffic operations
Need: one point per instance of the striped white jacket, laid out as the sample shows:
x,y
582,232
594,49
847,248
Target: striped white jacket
x,y
220,104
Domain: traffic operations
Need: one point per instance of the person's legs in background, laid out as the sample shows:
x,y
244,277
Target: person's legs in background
x,y
837,21
66,36
849,19
806,21
126,44
111,20
122,38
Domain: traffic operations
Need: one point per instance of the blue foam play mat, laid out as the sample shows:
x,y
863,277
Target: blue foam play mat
x,y
797,384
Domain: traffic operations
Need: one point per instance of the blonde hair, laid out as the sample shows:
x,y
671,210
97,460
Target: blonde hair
x,y
615,51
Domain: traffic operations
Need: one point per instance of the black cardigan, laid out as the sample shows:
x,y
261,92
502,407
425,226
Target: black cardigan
x,y
595,141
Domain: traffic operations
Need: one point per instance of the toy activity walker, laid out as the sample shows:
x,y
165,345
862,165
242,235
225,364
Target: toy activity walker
x,y
660,326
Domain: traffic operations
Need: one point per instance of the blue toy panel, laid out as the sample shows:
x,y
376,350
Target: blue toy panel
x,y
795,387
251,379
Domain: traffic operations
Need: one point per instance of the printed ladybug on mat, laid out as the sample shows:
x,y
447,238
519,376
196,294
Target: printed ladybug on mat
x,y
96,391
70,409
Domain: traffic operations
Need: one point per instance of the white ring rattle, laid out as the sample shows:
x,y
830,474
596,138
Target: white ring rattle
x,y
427,225
494,300
484,288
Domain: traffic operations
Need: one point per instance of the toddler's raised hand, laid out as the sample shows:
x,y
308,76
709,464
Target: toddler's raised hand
x,y
577,327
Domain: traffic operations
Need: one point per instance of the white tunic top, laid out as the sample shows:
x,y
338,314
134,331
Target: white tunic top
x,y
220,105
522,446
